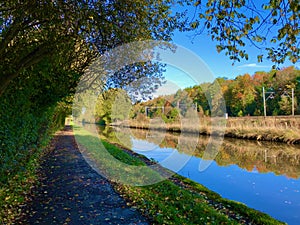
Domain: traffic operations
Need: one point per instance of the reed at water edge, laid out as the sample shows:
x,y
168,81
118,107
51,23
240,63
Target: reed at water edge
x,y
273,128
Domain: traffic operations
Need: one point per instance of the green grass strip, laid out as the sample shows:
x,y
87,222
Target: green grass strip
x,y
167,202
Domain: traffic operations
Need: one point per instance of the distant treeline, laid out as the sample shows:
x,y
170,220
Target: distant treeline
x,y
242,96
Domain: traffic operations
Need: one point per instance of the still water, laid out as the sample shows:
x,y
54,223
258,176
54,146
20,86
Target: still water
x,y
263,175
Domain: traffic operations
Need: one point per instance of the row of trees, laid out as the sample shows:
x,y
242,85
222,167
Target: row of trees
x,y
46,46
242,95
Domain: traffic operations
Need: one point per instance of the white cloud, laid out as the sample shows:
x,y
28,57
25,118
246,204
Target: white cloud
x,y
252,65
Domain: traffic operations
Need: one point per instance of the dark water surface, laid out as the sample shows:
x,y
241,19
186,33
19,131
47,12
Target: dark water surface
x,y
263,175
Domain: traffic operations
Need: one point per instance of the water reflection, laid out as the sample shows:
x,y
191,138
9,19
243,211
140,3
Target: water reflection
x,y
263,175
262,157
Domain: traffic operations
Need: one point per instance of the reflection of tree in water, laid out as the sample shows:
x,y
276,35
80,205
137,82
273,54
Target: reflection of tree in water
x,y
281,159
109,134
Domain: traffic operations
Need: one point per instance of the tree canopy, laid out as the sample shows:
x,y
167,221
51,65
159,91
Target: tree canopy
x,y
45,47
272,26
72,33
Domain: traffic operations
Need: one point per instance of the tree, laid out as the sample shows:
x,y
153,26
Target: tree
x,y
200,99
272,27
34,31
285,105
79,30
113,105
45,48
140,80
74,32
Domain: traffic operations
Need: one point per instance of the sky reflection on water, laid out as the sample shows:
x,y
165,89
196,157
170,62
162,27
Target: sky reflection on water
x,y
264,176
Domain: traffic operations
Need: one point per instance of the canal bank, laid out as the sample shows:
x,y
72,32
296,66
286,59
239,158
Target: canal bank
x,y
263,175
177,200
285,129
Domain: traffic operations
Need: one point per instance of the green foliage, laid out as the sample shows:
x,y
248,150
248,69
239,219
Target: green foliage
x,y
172,116
240,113
29,114
45,47
25,130
285,105
112,105
12,194
272,27
74,33
243,95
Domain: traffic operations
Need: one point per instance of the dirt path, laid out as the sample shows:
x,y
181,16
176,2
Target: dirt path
x,y
71,192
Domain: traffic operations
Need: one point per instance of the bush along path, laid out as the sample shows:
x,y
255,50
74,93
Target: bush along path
x,y
71,192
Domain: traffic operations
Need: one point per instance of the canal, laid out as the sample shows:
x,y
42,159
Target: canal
x,y
263,175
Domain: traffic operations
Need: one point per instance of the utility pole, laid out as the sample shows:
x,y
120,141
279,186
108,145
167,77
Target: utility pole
x,y
293,103
264,99
271,96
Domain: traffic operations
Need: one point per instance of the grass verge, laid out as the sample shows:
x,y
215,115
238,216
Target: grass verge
x,y
177,200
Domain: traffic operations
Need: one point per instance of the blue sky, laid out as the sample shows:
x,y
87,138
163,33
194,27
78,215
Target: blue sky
x,y
218,63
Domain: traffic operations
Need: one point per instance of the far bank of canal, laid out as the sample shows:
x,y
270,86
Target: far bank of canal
x,y
263,175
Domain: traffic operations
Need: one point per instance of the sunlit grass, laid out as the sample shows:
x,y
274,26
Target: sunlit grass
x,y
180,202
282,129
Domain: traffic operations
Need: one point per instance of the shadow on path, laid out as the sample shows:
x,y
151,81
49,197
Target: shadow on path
x,y
71,192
